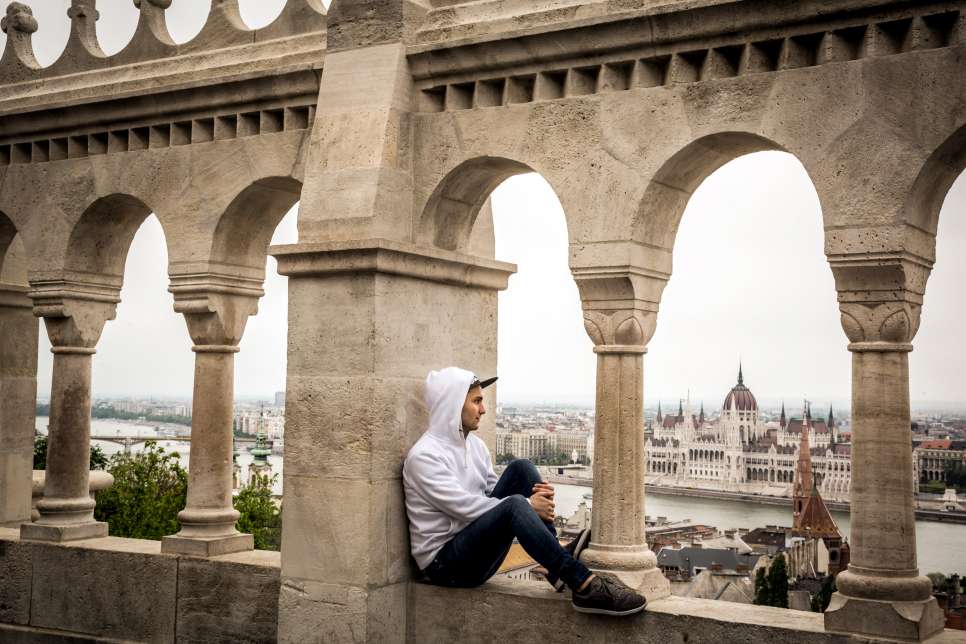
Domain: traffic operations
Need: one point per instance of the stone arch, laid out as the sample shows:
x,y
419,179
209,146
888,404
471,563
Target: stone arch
x,y
100,240
245,229
13,268
932,184
669,190
450,212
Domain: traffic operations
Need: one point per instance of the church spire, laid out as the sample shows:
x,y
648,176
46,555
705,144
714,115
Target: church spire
x,y
831,418
660,419
701,416
741,378
783,421
680,408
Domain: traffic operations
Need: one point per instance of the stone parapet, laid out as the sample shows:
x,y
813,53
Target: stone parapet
x,y
113,589
533,612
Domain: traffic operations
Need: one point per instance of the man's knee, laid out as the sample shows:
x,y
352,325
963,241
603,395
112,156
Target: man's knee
x,y
518,503
523,466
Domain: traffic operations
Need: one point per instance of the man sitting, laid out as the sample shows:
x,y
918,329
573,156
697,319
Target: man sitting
x,y
462,520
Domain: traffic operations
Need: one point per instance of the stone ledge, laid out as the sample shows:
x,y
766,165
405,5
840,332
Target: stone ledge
x,y
531,611
114,589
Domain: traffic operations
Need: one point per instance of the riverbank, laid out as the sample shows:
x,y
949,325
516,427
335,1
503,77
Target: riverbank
x,y
761,499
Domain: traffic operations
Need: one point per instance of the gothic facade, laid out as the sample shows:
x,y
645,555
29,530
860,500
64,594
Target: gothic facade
x,y
738,451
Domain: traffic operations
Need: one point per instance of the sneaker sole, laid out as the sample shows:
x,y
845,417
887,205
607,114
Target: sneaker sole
x,y
604,611
559,585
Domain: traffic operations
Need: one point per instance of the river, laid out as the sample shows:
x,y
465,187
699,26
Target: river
x,y
941,547
106,427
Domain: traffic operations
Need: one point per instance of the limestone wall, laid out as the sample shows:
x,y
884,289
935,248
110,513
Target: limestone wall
x,y
116,589
532,612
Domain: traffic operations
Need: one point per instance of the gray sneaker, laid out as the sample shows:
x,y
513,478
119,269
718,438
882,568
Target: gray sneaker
x,y
608,596
577,545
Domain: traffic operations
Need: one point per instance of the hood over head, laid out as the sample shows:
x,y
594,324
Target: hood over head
x,y
445,395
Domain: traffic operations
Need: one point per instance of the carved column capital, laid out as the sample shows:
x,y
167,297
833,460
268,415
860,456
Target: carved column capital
x,y
74,311
620,308
216,308
880,299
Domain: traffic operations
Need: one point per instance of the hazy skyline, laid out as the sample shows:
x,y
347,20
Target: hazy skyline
x,y
750,281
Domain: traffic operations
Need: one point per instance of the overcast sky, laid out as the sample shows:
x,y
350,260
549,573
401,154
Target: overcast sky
x,y
750,282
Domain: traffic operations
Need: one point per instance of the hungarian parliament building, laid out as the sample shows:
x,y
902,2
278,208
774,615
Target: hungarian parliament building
x,y
738,452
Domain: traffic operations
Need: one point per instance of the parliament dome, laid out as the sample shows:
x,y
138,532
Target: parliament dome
x,y
741,396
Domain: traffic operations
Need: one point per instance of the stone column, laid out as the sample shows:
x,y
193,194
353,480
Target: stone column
x,y
216,321
882,593
18,400
620,323
367,321
74,316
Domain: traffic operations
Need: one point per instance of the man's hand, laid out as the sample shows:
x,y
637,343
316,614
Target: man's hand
x,y
544,487
542,501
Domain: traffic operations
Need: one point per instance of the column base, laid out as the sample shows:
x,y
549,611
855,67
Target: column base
x,y
903,621
650,582
61,533
207,546
635,566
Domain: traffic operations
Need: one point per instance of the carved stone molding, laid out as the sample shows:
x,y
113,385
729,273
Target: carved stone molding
x,y
216,308
880,299
74,311
620,307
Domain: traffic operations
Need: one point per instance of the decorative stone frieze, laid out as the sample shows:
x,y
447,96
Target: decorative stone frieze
x,y
822,40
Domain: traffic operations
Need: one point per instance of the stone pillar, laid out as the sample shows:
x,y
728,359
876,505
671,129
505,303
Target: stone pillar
x,y
367,321
216,321
621,322
18,401
74,315
882,593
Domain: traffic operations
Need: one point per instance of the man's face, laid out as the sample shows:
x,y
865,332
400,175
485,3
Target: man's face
x,y
473,409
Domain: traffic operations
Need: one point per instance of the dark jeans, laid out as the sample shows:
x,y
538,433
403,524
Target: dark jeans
x,y
475,553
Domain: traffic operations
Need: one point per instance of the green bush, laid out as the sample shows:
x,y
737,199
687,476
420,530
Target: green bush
x,y
260,516
99,460
150,488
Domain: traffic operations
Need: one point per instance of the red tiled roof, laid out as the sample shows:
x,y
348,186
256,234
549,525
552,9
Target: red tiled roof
x,y
938,443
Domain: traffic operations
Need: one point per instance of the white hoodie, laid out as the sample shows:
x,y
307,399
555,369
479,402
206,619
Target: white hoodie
x,y
446,478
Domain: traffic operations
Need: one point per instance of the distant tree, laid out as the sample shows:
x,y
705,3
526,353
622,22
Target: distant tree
x,y
762,591
259,515
505,459
938,581
150,488
822,598
778,583
99,459
933,487
956,475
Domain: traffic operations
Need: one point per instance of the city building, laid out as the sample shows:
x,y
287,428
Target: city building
x,y
540,444
740,452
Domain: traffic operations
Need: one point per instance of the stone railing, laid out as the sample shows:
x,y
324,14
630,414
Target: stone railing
x,y
99,480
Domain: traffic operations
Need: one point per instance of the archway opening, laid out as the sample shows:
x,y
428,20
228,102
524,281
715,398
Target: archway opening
x,y
545,360
749,317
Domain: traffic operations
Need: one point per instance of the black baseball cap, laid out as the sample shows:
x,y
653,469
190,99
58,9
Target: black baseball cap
x,y
482,384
